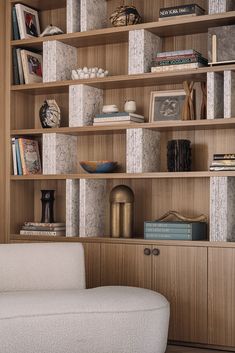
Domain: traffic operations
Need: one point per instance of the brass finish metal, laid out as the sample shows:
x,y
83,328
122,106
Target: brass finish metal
x,y
121,211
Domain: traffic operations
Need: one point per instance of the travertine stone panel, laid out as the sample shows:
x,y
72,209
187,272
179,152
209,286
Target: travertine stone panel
x,y
222,209
143,47
72,208
229,94
73,16
215,90
93,14
218,6
143,151
92,207
59,154
225,48
59,60
84,103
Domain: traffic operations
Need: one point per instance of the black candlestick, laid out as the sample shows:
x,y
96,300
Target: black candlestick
x,y
47,206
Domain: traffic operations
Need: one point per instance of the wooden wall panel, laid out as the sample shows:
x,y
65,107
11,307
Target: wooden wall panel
x,y
92,263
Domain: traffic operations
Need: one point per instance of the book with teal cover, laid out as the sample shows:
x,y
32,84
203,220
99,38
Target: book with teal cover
x,y
18,159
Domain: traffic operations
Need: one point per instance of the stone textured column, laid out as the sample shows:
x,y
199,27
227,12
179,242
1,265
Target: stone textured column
x,y
143,47
219,6
92,207
222,209
73,16
59,60
215,90
59,154
229,96
93,14
72,207
84,103
143,151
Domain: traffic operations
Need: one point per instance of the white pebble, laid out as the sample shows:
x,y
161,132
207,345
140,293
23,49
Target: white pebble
x,y
100,71
93,75
85,70
96,69
93,70
87,75
102,74
106,73
82,76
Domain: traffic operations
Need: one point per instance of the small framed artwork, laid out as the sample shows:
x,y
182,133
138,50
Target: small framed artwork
x,y
28,21
32,66
166,105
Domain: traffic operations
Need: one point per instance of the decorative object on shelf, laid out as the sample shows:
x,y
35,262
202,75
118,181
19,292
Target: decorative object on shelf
x,y
26,157
85,73
50,114
130,106
28,22
223,162
121,211
51,31
117,118
32,66
181,228
99,166
111,108
178,60
203,112
125,16
40,229
188,10
220,48
188,111
47,200
166,105
179,156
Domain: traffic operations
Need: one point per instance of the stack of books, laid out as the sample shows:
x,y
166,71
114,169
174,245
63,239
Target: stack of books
x,y
223,162
117,118
47,229
26,157
175,230
189,10
178,60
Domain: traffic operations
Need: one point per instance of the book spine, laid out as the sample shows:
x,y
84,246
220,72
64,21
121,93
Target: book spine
x,y
15,68
176,67
167,231
36,224
33,232
51,229
225,163
119,115
180,10
161,225
178,52
224,156
155,236
20,67
180,61
217,169
14,156
99,120
19,166
22,156
15,27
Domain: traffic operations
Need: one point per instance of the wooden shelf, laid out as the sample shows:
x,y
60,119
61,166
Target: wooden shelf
x,y
160,175
173,27
159,126
124,81
134,241
42,4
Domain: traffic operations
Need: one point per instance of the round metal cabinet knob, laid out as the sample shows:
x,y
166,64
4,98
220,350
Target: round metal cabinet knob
x,y
147,251
156,252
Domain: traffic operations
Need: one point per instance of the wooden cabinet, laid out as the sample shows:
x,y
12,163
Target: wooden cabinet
x,y
221,303
179,273
92,264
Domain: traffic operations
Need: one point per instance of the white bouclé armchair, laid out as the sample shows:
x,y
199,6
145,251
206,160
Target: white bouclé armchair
x,y
45,308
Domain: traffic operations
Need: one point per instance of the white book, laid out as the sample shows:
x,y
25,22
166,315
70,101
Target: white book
x,y
42,232
117,123
177,52
20,66
133,117
14,155
168,68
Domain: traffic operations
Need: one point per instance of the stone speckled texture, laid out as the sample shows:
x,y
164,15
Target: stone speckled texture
x,y
59,154
59,60
225,43
218,6
73,16
143,47
92,207
143,151
72,207
84,103
222,209
93,14
215,90
229,97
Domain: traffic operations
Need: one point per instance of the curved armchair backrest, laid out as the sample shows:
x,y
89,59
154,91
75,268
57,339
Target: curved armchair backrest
x,y
44,266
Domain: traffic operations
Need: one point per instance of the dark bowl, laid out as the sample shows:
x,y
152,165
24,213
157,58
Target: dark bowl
x,y
99,166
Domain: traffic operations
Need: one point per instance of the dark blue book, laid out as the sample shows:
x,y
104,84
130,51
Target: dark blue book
x,y
15,26
16,77
19,165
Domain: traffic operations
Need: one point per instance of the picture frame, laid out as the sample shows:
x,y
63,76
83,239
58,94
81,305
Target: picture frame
x,y
166,105
32,66
28,21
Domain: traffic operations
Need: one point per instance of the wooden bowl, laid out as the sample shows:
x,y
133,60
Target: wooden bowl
x,y
99,166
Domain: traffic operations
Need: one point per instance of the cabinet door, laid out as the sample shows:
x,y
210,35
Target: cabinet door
x,y
180,274
221,297
92,264
125,265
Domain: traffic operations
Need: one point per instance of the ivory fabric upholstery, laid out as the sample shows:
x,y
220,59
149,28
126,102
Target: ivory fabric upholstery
x,y
74,320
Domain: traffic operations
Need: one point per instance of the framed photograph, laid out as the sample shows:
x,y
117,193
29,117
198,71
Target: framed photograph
x,y
28,21
166,105
32,66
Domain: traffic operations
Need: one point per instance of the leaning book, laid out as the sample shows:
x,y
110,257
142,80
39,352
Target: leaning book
x,y
30,157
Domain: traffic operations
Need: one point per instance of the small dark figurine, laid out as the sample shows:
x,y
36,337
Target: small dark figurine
x,y
125,16
179,156
50,114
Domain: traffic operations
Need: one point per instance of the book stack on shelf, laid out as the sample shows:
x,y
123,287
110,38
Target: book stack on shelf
x,y
26,157
47,229
117,118
223,162
189,10
178,60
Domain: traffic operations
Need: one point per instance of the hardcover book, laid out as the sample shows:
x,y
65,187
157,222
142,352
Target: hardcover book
x,y
182,10
32,66
30,158
176,67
